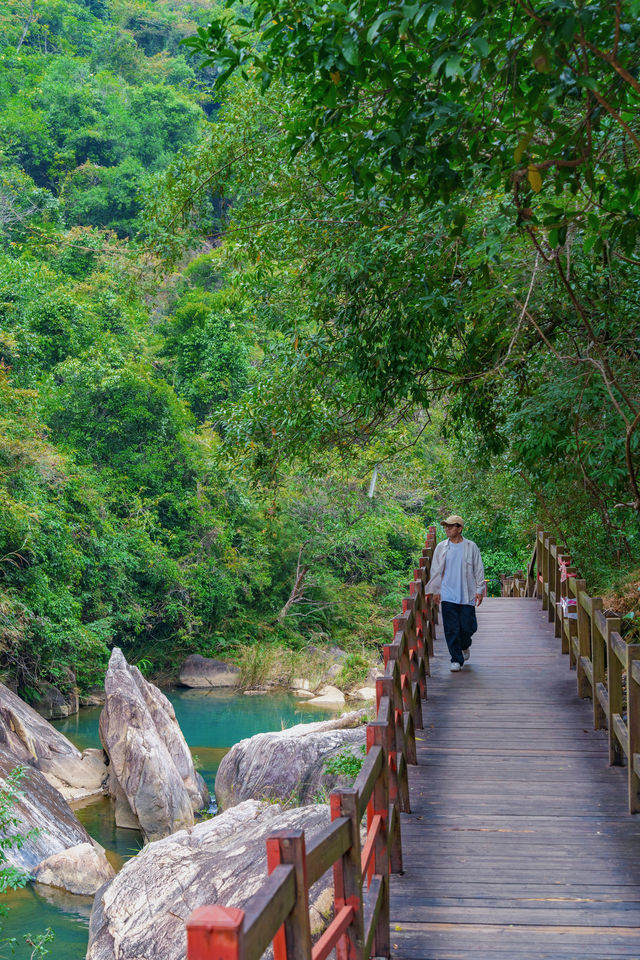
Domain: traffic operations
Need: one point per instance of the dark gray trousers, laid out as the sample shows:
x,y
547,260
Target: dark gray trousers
x,y
460,623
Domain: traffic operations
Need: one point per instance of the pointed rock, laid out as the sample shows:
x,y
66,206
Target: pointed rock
x,y
151,771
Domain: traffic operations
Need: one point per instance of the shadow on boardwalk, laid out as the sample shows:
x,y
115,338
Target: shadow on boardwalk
x,y
519,845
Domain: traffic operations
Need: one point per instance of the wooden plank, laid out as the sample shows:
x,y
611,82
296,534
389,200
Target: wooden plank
x,y
603,699
633,729
326,846
519,846
620,729
294,937
515,892
545,913
366,779
372,904
600,621
332,934
619,647
494,942
587,667
267,910
567,904
598,658
572,933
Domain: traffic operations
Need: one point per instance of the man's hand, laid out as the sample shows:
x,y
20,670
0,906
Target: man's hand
x,y
436,598
478,599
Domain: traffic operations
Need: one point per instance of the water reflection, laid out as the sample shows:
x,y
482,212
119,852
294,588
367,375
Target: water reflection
x,y
37,907
98,819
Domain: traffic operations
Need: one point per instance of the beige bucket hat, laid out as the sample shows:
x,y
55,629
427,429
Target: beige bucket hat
x,y
454,518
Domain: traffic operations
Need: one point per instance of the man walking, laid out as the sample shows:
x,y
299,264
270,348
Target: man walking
x,y
457,584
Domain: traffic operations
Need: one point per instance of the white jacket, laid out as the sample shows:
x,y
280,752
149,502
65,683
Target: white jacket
x,y
473,582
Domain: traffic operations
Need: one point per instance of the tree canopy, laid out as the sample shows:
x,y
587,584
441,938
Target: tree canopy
x,y
476,205
338,237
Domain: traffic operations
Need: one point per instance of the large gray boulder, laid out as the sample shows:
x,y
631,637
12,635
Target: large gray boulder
x,y
151,773
32,740
203,672
54,835
141,915
55,705
288,764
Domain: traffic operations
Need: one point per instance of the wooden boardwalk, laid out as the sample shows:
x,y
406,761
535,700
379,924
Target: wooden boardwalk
x,y
519,845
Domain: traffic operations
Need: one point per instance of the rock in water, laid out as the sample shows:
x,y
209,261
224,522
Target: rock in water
x,y
288,764
54,704
329,697
82,870
198,671
151,774
141,915
58,838
31,740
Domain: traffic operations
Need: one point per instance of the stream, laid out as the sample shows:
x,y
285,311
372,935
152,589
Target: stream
x,y
211,721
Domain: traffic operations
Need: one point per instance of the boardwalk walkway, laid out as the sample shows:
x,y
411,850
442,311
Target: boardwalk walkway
x,y
519,846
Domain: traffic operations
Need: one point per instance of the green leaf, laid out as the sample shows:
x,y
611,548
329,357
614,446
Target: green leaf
x,y
481,46
453,67
350,50
374,29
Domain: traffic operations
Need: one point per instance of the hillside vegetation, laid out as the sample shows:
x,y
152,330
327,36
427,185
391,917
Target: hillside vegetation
x,y
207,344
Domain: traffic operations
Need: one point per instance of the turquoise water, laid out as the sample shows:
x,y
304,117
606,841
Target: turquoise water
x,y
212,721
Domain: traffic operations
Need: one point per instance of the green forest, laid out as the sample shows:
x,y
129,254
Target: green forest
x,y
283,284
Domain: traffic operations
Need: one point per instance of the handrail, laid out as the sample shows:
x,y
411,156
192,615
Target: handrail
x,y
605,665
279,911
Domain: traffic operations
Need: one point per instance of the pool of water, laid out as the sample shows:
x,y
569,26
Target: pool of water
x,y
212,721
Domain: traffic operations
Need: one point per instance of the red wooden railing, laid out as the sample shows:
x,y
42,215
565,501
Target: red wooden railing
x,y
279,911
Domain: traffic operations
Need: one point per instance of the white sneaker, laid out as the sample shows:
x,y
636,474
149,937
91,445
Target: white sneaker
x,y
455,667
466,653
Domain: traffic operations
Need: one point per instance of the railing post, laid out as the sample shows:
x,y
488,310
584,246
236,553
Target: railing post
x,y
598,642
633,727
390,687
293,939
573,633
378,735
545,570
416,670
420,581
565,592
564,643
584,641
573,624
411,704
616,699
533,567
215,933
424,667
400,625
551,579
430,621
557,589
347,877
384,688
